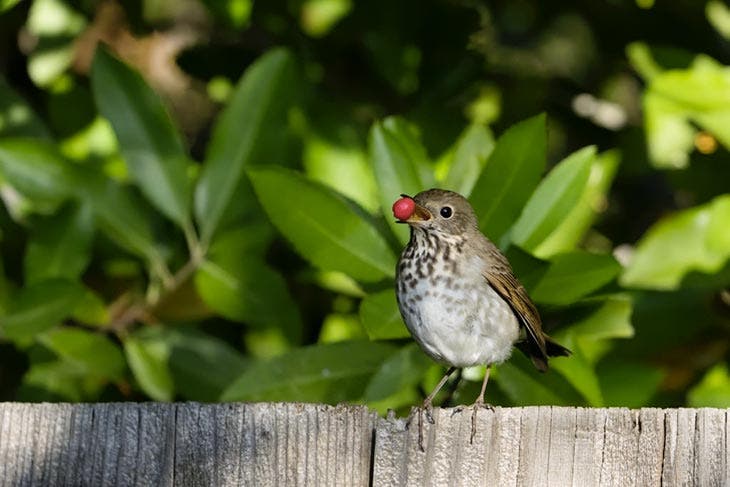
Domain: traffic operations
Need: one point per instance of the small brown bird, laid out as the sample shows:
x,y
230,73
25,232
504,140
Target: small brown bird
x,y
458,295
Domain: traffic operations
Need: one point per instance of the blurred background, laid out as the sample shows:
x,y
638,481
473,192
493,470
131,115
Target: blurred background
x,y
199,210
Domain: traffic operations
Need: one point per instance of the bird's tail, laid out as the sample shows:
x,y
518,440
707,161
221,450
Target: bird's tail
x,y
554,349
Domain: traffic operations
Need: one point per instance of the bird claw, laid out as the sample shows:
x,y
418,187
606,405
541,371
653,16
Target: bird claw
x,y
477,405
456,410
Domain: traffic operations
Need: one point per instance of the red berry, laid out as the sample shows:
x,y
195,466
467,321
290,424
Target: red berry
x,y
404,208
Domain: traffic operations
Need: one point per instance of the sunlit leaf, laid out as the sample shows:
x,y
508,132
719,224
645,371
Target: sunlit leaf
x,y
713,391
523,385
148,140
510,175
60,246
40,306
381,317
148,360
329,373
580,373
259,98
696,239
593,200
553,199
574,275
402,370
470,154
322,226
96,354
400,164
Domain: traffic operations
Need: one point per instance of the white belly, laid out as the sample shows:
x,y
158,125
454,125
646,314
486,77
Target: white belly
x,y
458,326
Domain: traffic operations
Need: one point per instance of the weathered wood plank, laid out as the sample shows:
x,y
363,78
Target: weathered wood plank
x,y
184,444
307,444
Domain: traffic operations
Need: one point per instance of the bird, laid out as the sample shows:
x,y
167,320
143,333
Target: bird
x,y
459,296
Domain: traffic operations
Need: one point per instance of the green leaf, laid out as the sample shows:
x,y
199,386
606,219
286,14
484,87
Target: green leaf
x,y
91,310
402,370
574,275
579,372
329,373
696,239
381,317
259,98
713,390
40,306
629,384
148,141
36,170
97,355
57,380
526,388
148,360
16,116
323,227
512,172
60,246
400,164
202,366
593,201
241,287
120,213
553,199
7,4
611,320
472,150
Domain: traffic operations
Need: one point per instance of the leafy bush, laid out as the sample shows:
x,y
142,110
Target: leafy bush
x,y
256,261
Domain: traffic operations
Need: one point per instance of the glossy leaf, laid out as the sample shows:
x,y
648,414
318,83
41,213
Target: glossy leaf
x,y
571,231
402,370
243,288
574,275
259,97
40,306
148,360
323,227
328,373
554,199
510,175
148,141
381,317
96,354
60,246
400,164
696,239
470,155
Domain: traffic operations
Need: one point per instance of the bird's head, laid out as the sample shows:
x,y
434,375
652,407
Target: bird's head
x,y
436,210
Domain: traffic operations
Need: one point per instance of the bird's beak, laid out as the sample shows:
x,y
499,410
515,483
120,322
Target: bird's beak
x,y
420,214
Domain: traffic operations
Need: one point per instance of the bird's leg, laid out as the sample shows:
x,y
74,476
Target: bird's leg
x,y
479,403
428,407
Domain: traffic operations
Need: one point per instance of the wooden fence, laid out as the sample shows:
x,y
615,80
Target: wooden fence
x,y
195,444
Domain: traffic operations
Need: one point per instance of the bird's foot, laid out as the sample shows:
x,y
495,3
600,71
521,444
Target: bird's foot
x,y
477,405
426,409
456,410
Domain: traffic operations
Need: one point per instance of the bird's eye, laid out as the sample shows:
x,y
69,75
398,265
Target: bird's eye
x,y
446,211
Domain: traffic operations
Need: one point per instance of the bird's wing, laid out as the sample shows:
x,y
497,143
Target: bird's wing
x,y
504,282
